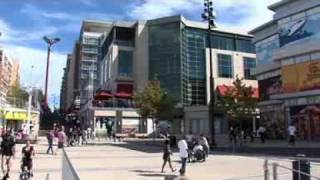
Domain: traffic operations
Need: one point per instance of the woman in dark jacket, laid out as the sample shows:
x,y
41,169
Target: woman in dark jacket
x,y
166,155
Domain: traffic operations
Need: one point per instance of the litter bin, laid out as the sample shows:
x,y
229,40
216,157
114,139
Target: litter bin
x,y
303,166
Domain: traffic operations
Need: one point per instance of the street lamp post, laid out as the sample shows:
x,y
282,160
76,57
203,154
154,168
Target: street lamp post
x,y
209,16
49,42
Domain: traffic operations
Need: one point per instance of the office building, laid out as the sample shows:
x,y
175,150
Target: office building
x,y
288,52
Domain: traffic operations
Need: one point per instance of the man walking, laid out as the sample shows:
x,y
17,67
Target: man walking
x,y
183,153
50,137
7,152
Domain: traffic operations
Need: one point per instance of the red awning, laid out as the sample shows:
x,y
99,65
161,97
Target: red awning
x,y
223,89
103,96
123,95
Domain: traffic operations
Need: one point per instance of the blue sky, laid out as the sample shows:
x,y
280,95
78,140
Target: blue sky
x,y
23,23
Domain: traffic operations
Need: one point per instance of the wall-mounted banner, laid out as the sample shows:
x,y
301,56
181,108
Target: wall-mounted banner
x,y
301,77
299,29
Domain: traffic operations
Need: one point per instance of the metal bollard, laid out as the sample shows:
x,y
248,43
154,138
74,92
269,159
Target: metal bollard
x,y
275,171
266,170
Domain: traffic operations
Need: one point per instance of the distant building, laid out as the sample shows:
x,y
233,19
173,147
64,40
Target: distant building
x,y
15,77
89,53
288,52
6,70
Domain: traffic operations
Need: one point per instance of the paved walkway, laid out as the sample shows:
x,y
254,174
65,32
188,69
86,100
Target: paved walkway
x,y
43,164
122,161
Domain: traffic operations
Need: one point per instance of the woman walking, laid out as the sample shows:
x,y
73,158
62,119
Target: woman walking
x,y
166,156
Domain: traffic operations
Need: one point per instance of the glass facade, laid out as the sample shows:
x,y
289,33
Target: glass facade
x,y
177,59
248,64
165,57
223,42
266,48
125,65
231,42
194,73
244,45
225,67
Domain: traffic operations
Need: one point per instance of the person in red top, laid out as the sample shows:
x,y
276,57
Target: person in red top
x,y
62,139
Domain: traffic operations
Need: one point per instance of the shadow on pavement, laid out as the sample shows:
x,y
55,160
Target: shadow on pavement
x,y
144,171
139,146
165,176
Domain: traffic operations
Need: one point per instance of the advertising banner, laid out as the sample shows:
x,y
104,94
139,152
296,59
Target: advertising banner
x,y
301,77
299,29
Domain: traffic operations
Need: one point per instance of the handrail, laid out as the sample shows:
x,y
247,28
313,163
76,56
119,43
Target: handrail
x,y
73,171
275,171
295,170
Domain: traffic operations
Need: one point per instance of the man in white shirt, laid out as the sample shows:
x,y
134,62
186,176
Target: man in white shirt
x,y
183,153
292,134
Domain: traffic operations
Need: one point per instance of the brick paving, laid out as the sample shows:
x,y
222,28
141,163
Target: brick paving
x,y
43,164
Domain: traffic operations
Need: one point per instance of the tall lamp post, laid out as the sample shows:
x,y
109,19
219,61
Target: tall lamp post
x,y
209,16
49,42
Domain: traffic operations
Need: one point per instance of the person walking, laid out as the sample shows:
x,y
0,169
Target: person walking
x,y
292,134
7,152
84,137
232,135
167,156
50,136
262,133
183,153
61,138
204,143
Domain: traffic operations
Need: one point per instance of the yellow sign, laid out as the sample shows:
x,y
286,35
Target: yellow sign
x,y
301,77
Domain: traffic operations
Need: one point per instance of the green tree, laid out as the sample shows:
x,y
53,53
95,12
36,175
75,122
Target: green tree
x,y
153,102
17,95
238,103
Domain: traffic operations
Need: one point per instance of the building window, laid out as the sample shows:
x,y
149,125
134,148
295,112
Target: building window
x,y
125,63
225,69
221,42
245,45
249,63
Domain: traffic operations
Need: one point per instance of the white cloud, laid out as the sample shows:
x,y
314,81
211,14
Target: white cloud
x,y
29,57
150,9
256,11
10,34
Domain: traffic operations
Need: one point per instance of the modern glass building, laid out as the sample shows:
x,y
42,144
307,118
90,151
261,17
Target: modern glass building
x,y
177,57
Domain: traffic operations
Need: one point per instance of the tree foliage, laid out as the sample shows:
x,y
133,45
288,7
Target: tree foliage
x,y
154,102
238,103
17,95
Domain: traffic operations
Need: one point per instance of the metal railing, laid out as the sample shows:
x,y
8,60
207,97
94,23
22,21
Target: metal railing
x,y
68,171
275,171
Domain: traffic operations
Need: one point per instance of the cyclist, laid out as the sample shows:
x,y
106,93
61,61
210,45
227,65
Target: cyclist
x,y
7,151
27,156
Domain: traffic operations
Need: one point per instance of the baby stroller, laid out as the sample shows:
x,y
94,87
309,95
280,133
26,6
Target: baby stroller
x,y
199,155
